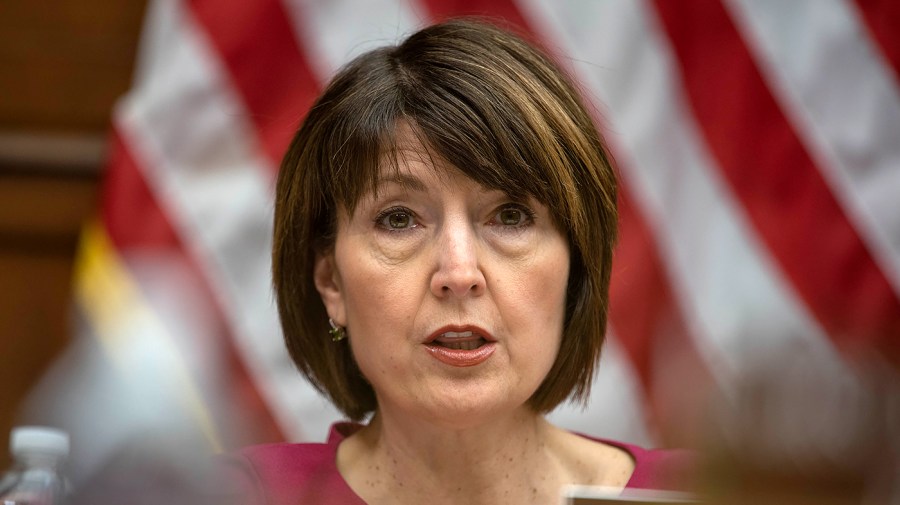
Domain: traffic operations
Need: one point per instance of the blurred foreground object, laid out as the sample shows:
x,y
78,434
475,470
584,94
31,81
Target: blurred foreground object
x,y
598,495
37,477
795,434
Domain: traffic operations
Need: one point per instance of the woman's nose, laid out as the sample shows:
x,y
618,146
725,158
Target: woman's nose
x,y
458,270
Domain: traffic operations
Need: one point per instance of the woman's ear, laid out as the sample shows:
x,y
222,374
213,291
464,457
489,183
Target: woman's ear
x,y
329,286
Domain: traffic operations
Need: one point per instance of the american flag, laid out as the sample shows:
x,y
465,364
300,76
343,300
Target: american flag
x,y
758,147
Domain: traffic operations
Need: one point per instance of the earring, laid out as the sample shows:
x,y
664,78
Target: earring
x,y
337,333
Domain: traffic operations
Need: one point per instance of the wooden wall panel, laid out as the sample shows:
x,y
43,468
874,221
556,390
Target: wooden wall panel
x,y
63,64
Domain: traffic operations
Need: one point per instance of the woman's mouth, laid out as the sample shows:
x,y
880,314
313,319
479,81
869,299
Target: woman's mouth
x,y
464,340
460,347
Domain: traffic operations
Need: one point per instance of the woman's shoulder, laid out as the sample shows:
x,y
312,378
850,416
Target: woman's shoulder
x,y
284,459
664,469
287,473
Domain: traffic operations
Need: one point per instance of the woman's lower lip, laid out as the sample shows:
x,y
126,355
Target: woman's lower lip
x,y
461,357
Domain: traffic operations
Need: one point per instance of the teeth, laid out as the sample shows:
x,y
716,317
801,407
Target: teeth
x,y
453,334
467,345
461,340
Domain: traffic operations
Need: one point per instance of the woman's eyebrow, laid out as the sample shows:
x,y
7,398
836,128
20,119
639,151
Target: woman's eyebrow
x,y
406,181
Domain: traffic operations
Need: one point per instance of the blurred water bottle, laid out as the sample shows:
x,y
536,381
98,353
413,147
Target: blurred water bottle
x,y
36,477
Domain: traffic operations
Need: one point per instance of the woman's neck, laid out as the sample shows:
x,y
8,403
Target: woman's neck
x,y
517,459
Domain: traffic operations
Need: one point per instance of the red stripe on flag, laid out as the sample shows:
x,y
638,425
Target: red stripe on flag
x,y
504,10
883,20
127,207
774,177
646,318
134,220
271,74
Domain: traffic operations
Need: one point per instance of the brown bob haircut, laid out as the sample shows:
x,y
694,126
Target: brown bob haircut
x,y
498,110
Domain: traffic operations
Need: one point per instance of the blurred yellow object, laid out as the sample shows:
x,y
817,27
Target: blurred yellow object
x,y
114,304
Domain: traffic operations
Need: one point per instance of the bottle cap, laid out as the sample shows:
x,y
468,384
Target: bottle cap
x,y
42,439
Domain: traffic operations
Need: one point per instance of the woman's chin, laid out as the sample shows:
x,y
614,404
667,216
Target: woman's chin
x,y
464,408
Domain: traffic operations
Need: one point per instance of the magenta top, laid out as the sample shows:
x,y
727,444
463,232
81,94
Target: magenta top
x,y
286,473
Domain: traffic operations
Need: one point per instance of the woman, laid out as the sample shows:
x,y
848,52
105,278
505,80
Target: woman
x,y
444,225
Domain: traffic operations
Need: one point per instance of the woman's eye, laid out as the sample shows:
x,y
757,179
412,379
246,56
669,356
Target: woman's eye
x,y
395,219
511,217
514,216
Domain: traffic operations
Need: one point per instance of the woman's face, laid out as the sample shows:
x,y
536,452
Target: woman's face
x,y
453,295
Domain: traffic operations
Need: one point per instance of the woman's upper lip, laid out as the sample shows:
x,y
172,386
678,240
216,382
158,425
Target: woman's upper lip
x,y
477,331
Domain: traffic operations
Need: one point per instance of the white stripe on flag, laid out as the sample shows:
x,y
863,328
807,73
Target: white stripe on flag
x,y
831,81
336,31
193,139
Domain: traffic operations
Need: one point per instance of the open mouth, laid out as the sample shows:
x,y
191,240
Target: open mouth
x,y
459,341
461,346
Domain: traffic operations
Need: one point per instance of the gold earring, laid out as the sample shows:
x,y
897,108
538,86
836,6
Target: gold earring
x,y
337,333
